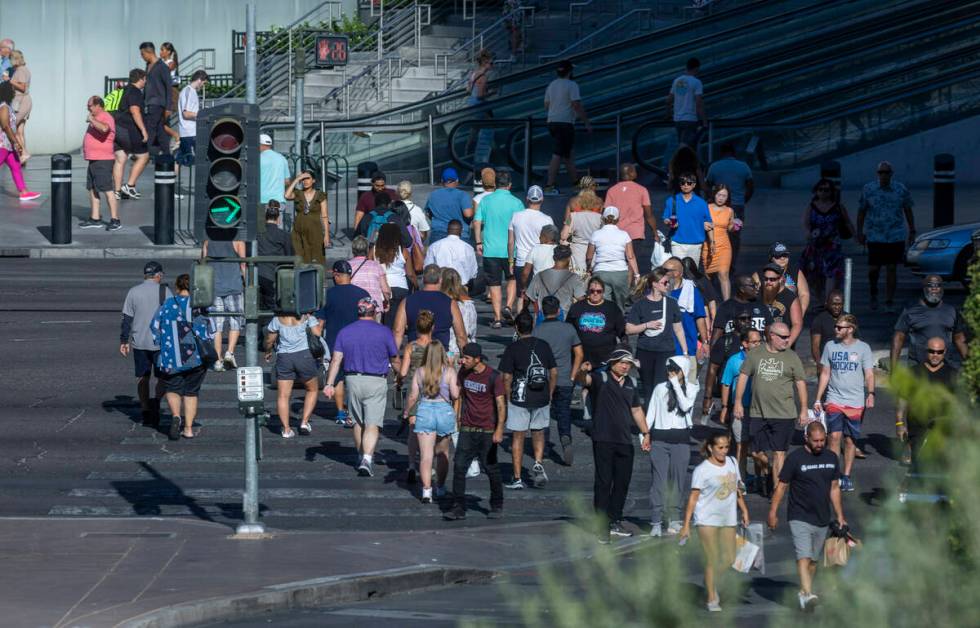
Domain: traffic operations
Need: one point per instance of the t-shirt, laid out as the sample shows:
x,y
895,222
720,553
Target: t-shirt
x,y
599,328
724,348
188,101
945,376
158,86
691,216
520,359
132,96
367,346
479,400
142,302
779,309
734,174
847,366
884,220
717,504
97,145
273,172
773,386
417,217
365,202
495,212
729,311
526,226
562,284
921,322
612,408
292,338
644,311
629,197
340,310
610,249
729,377
823,324
542,257
810,477
561,337
690,321
274,242
560,95
446,204
685,88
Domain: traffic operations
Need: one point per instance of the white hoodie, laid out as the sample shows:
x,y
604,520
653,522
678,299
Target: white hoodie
x,y
658,416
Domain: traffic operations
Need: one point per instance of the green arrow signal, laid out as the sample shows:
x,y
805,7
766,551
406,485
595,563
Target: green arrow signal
x,y
235,209
232,210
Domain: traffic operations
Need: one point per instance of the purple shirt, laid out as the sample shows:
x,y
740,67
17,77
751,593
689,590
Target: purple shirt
x,y
367,347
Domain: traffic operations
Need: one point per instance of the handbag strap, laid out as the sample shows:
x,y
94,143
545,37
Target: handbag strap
x,y
358,268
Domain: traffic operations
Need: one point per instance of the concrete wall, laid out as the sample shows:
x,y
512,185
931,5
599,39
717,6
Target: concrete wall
x,y
911,156
71,45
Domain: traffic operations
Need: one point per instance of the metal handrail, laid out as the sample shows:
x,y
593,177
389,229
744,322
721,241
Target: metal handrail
x,y
592,36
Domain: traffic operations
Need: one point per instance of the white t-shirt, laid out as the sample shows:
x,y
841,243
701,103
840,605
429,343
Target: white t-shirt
x,y
542,257
684,89
417,216
526,226
395,271
610,248
187,101
479,197
559,96
718,503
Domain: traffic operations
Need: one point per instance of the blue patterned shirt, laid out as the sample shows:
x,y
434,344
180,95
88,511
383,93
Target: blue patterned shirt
x,y
171,327
885,217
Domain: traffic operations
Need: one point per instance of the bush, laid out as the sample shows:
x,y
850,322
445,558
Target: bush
x,y
971,311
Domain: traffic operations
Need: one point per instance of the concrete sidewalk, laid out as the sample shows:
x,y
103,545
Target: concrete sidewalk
x,y
171,572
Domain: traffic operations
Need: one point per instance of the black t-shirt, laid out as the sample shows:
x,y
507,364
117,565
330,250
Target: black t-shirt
x,y
779,309
727,346
644,311
920,322
132,97
612,408
340,310
522,359
731,309
809,477
823,324
946,376
274,242
599,328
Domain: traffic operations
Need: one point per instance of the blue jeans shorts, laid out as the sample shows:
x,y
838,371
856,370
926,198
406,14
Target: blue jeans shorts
x,y
435,416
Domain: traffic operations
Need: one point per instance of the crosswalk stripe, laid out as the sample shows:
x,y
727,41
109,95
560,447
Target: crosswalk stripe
x,y
234,511
146,493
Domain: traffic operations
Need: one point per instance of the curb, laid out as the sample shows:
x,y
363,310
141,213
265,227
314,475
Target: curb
x,y
103,253
308,594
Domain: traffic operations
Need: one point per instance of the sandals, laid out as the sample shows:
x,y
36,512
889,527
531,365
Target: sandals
x,y
496,324
186,435
508,314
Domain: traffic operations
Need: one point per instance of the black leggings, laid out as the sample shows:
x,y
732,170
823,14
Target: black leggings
x,y
653,370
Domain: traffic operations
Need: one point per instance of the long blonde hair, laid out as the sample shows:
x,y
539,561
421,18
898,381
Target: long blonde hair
x,y
587,199
452,285
433,365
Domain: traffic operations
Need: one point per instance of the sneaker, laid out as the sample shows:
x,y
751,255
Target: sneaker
x,y
456,514
411,477
230,360
114,225
91,223
178,195
846,485
219,367
495,513
551,190
426,495
807,601
474,470
118,195
674,528
516,484
538,477
27,195
617,529
129,191
305,429
342,418
656,530
440,492
714,606
603,537
496,324
288,433
176,424
567,453
364,469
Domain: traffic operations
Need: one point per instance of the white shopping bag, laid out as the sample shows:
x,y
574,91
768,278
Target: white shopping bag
x,y
755,534
745,553
660,254
813,417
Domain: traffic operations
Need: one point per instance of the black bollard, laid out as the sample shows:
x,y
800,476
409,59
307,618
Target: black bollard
x,y
830,169
163,200
943,190
60,199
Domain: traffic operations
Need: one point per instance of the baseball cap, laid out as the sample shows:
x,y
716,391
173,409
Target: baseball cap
x,y
265,140
450,174
535,194
772,267
367,307
622,355
473,350
778,249
342,267
152,268
610,212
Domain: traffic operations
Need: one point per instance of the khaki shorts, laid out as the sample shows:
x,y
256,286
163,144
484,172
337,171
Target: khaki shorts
x,y
367,398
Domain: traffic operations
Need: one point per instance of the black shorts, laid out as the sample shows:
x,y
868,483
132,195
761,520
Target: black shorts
x,y
129,141
885,253
494,267
145,361
299,366
99,175
185,383
564,135
771,434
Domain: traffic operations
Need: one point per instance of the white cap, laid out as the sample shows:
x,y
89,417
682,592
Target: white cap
x,y
265,140
611,212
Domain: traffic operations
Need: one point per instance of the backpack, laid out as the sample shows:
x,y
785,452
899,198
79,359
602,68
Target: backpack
x,y
377,221
112,99
536,375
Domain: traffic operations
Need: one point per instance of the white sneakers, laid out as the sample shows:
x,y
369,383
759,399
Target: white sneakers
x,y
807,601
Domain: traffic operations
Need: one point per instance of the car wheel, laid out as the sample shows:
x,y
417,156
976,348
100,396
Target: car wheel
x,y
961,270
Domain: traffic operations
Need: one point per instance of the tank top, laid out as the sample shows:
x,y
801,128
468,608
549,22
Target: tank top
x,y
227,275
443,395
395,271
441,307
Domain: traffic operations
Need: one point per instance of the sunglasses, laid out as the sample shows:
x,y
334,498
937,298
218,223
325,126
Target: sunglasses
x,y
933,285
840,327
687,182
780,256
884,172
770,279
596,290
936,351
786,337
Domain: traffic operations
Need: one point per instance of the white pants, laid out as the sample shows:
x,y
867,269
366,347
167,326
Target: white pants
x,y
681,251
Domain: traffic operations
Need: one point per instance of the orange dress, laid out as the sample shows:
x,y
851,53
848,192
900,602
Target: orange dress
x,y
721,261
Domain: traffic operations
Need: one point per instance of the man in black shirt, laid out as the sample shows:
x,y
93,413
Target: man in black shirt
x,y
616,408
159,100
130,136
929,318
275,242
936,370
812,476
822,328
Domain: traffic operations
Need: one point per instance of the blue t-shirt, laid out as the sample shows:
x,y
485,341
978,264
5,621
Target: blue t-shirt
x,y
689,321
447,204
729,377
691,216
273,172
733,173
340,310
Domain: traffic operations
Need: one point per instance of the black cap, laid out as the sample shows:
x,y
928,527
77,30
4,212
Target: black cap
x,y
152,268
774,267
473,350
342,267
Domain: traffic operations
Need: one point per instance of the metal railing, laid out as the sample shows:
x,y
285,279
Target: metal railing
x,y
588,42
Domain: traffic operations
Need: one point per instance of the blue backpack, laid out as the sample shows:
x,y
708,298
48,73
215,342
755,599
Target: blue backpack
x,y
377,221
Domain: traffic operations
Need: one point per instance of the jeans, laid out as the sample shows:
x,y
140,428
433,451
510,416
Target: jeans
x,y
613,472
479,446
668,463
561,409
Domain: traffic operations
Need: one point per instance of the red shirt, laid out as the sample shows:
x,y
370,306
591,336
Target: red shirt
x,y
479,402
629,197
366,202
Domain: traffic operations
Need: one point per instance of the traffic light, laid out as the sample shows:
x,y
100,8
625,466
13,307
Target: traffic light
x,y
202,285
299,289
226,180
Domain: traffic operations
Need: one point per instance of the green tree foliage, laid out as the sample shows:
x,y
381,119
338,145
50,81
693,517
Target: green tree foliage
x,y
971,311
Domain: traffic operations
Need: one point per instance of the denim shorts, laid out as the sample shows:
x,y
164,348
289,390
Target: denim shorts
x,y
435,416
